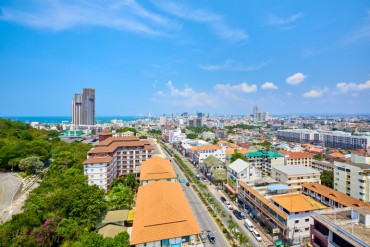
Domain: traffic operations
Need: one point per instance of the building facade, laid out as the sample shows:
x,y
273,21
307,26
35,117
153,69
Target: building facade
x,y
352,179
83,108
240,170
295,175
100,171
264,161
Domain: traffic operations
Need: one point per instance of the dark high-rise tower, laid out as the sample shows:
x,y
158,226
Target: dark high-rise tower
x,y
83,108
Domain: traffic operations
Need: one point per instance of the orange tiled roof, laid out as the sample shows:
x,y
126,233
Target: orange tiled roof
x,y
334,195
156,168
230,151
162,212
94,160
336,155
110,140
243,151
298,203
299,155
114,145
207,147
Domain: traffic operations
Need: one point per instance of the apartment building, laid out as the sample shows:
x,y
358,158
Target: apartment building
x,y
163,217
322,165
297,158
336,139
295,175
330,197
100,171
240,170
200,153
83,107
285,213
264,161
349,227
155,169
127,153
352,179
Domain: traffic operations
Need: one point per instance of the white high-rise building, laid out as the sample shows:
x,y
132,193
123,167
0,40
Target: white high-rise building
x,y
255,114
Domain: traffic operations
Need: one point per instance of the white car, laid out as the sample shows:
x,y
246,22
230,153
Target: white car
x,y
228,205
257,235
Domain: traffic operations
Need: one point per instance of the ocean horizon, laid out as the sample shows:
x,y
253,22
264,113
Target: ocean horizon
x,y
68,119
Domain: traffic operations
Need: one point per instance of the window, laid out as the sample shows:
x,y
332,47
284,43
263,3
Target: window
x,y
296,221
307,220
307,228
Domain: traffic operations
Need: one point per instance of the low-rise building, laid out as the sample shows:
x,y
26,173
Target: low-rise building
x,y
163,217
265,160
200,153
215,169
297,158
240,170
155,169
295,175
349,227
285,213
330,197
322,165
352,179
100,171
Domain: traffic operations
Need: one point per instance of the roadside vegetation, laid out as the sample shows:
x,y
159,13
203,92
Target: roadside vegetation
x,y
63,210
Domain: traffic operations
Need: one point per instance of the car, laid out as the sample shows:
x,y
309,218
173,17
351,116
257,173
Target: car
x,y
222,199
257,235
187,184
237,214
211,237
203,236
228,205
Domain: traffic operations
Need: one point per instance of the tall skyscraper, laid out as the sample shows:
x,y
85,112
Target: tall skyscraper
x,y
83,108
255,114
77,109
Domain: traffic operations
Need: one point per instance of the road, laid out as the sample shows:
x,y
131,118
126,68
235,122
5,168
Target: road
x,y
204,219
217,194
9,184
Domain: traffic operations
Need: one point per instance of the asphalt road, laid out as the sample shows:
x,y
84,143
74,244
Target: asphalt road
x,y
8,187
200,212
217,194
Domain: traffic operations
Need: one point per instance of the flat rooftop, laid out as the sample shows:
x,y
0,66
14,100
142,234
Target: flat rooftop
x,y
343,220
295,169
297,203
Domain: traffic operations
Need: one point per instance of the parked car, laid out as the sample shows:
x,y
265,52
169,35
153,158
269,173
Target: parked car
x,y
248,224
222,199
257,235
211,237
203,236
228,205
237,214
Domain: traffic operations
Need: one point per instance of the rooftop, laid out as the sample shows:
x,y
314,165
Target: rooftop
x,y
239,165
362,166
334,195
162,212
295,169
98,160
297,203
263,153
156,168
212,161
340,221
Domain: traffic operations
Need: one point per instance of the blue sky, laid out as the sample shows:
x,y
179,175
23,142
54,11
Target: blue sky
x,y
174,56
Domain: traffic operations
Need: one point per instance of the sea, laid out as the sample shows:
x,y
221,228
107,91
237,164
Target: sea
x,y
68,119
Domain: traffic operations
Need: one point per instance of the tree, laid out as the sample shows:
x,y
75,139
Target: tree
x,y
327,178
318,157
232,227
191,136
31,165
120,197
243,240
236,156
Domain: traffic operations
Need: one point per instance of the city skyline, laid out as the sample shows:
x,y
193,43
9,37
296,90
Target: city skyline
x,y
185,57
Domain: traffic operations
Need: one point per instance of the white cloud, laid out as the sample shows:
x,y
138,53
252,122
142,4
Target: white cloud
x,y
161,93
268,86
189,97
289,93
346,87
215,21
314,93
296,78
279,21
237,88
231,65
59,15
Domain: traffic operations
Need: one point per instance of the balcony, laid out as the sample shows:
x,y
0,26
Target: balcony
x,y
319,235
